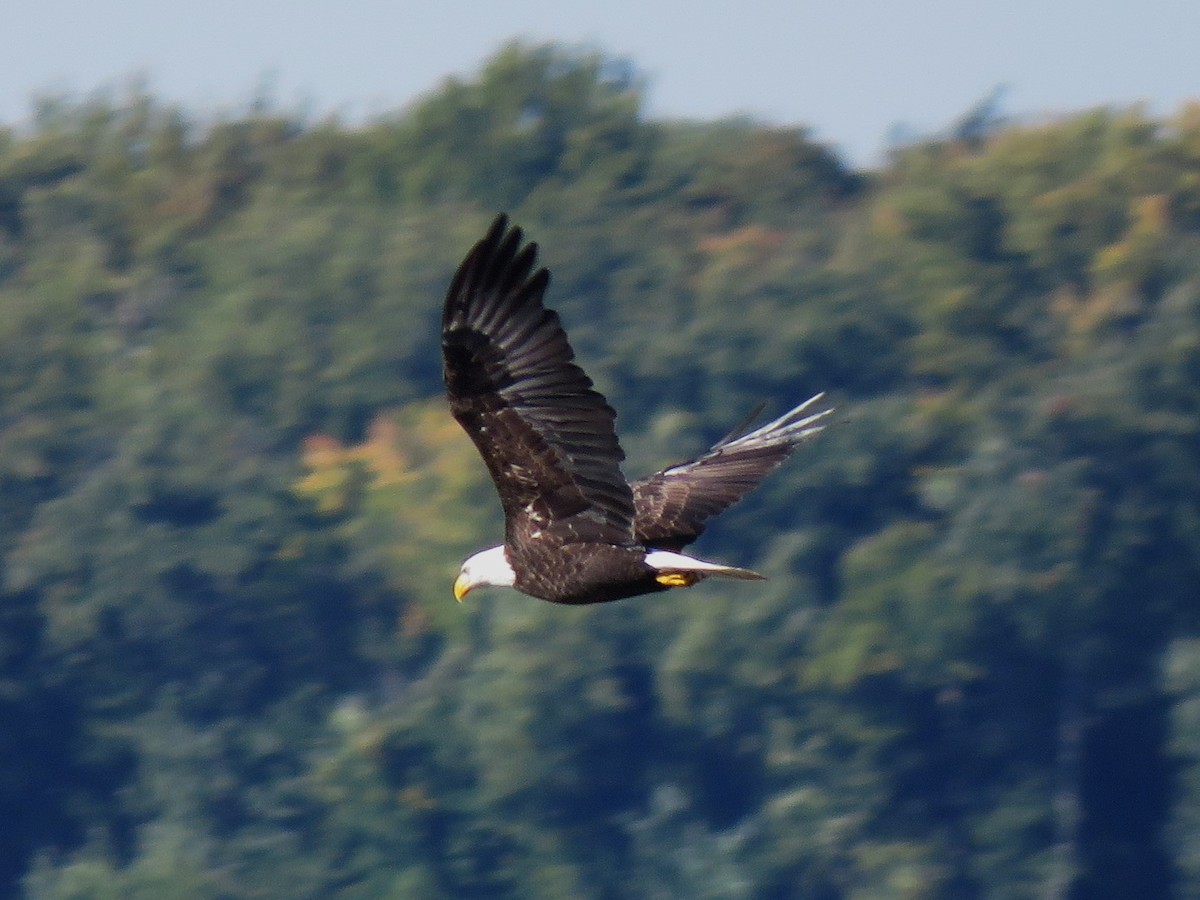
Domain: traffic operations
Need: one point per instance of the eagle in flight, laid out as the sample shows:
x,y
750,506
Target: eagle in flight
x,y
575,531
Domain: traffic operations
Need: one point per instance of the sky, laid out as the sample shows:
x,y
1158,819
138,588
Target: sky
x,y
855,73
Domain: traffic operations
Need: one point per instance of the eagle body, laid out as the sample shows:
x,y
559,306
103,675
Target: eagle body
x,y
576,531
583,573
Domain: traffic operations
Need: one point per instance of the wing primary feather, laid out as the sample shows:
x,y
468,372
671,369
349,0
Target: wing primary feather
x,y
467,271
743,426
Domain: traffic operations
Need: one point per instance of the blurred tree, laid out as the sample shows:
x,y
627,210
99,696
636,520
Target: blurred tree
x,y
231,505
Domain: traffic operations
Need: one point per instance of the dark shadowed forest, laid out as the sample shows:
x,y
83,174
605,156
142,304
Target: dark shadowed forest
x,y
232,502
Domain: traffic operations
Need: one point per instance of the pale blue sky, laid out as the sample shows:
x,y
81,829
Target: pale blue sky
x,y
851,70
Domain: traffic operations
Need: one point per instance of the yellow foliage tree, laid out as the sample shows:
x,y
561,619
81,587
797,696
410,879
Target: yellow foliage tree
x,y
415,496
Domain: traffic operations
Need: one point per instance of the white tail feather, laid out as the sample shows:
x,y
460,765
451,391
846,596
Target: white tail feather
x,y
669,561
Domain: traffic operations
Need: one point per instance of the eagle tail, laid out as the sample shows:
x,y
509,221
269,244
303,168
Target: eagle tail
x,y
690,570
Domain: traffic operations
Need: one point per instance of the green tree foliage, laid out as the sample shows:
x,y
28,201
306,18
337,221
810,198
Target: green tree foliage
x,y
232,504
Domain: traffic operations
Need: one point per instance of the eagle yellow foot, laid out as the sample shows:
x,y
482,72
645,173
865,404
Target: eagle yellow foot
x,y
677,579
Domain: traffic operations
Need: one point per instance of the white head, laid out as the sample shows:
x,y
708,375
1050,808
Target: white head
x,y
487,567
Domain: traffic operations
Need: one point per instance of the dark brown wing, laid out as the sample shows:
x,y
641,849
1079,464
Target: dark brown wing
x,y
546,436
673,505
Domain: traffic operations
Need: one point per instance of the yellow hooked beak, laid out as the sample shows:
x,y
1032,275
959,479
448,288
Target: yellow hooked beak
x,y
462,586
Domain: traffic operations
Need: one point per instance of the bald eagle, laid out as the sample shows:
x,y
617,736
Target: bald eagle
x,y
575,531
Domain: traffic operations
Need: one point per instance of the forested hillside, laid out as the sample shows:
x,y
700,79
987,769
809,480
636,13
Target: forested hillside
x,y
232,503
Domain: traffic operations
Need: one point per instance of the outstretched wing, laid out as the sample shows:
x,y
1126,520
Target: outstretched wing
x,y
547,437
673,505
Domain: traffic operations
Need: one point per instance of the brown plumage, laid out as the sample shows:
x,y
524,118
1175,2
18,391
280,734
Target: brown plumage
x,y
575,530
672,506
